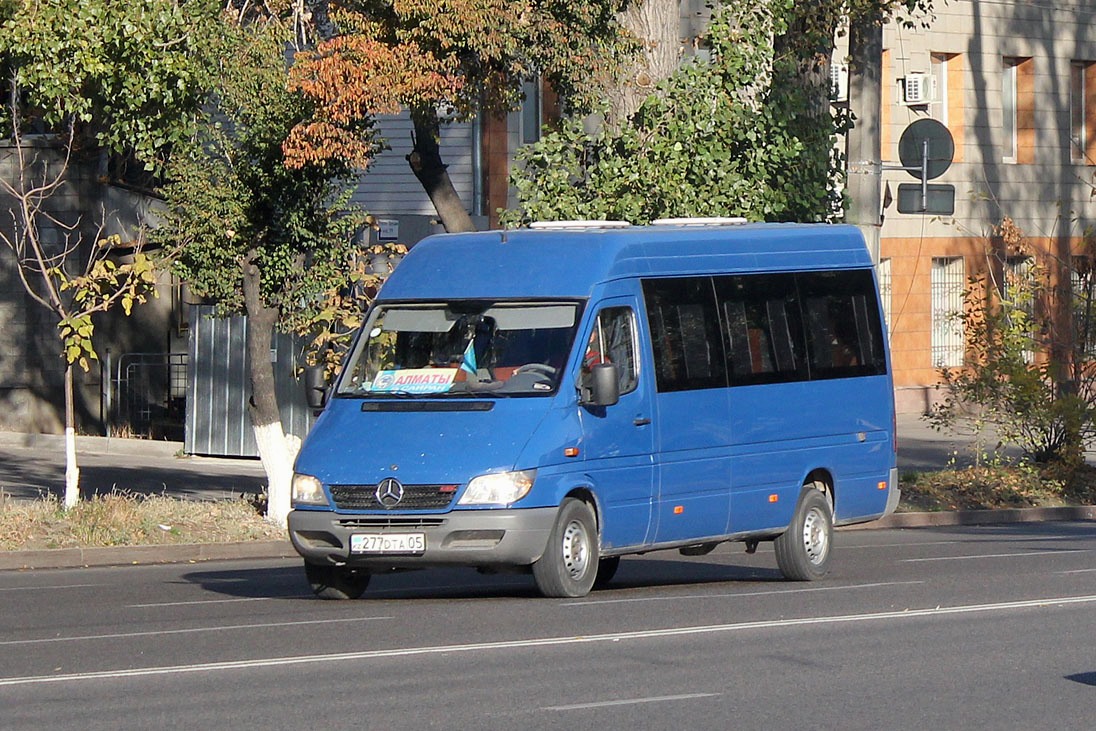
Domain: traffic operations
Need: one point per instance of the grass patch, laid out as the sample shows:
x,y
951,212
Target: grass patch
x,y
120,519
997,486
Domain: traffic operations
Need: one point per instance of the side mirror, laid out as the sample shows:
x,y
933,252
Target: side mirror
x,y
315,387
603,386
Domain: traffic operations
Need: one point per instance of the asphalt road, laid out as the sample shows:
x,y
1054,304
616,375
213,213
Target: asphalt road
x,y
941,628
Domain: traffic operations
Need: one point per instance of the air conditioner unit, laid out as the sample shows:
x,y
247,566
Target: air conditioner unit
x,y
918,88
839,82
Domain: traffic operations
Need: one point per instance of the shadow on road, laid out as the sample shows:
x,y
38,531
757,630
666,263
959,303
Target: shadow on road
x,y
463,583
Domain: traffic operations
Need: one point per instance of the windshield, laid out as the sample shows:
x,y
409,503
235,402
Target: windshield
x,y
461,348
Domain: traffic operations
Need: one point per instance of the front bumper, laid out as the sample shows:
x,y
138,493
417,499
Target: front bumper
x,y
460,538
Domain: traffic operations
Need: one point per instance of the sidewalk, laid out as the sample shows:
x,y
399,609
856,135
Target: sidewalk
x,y
32,465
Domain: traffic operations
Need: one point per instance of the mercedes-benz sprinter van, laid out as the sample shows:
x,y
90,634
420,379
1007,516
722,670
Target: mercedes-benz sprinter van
x,y
551,399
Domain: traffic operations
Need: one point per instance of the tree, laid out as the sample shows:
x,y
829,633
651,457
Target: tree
x,y
125,78
1030,373
749,132
721,137
258,237
443,61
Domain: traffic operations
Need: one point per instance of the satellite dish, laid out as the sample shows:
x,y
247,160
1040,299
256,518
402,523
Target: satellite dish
x,y
940,148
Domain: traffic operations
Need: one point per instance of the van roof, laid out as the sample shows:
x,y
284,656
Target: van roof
x,y
553,263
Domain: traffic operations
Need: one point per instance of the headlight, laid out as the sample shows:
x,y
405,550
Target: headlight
x,y
307,490
501,488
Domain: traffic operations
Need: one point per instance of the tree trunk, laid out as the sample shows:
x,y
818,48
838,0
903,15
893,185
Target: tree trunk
x,y
862,142
276,450
72,470
426,163
657,26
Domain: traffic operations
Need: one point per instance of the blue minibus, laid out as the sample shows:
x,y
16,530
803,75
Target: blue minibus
x,y
551,399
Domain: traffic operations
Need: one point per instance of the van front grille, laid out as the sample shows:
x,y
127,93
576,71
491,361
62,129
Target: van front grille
x,y
415,497
380,522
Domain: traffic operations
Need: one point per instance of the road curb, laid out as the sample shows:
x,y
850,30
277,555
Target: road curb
x,y
68,558
979,517
62,558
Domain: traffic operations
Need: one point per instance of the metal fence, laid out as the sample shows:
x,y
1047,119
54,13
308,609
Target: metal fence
x,y
146,395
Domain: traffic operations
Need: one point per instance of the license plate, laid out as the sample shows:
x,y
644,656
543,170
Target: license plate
x,y
388,543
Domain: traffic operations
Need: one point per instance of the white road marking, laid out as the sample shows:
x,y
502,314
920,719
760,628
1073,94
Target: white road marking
x,y
630,701
210,601
43,588
190,630
1076,571
996,555
400,652
732,595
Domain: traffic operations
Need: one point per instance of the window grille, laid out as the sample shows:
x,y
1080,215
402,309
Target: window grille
x,y
1083,284
1018,295
884,273
947,308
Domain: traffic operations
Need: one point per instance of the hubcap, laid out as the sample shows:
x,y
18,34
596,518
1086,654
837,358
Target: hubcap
x,y
815,538
576,550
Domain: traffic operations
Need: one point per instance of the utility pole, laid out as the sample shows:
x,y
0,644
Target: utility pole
x,y
862,143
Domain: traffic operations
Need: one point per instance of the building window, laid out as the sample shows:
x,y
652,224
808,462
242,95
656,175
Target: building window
x,y
884,274
1019,296
939,106
1083,284
947,281
1008,109
530,110
1018,110
1082,112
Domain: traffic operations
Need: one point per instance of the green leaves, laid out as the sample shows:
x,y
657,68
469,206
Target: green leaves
x,y
233,199
132,73
721,138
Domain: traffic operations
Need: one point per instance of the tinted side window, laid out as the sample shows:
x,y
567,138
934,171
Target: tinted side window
x,y
762,327
685,335
841,319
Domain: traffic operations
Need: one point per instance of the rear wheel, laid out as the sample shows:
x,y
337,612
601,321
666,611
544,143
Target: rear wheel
x,y
336,582
570,561
803,551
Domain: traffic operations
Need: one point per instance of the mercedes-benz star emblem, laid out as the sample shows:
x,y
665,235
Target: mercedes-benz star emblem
x,y
389,492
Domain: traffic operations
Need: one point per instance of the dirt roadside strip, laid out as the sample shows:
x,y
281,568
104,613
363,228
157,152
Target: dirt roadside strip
x,y
68,558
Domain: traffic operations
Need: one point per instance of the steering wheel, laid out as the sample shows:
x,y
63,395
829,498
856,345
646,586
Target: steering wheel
x,y
539,369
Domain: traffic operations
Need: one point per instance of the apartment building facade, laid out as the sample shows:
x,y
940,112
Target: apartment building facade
x,y
1015,85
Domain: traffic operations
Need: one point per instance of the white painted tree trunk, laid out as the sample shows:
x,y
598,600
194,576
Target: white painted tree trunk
x,y
277,450
72,470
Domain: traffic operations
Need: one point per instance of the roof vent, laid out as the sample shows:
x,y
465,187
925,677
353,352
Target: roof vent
x,y
558,225
713,221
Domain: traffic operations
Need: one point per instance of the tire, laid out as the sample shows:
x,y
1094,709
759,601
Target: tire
x,y
570,561
803,551
336,582
606,570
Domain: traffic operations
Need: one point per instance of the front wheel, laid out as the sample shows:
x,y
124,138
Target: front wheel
x,y
336,582
803,551
570,561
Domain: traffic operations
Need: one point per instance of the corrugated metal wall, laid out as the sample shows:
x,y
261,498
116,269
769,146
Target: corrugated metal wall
x,y
218,387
